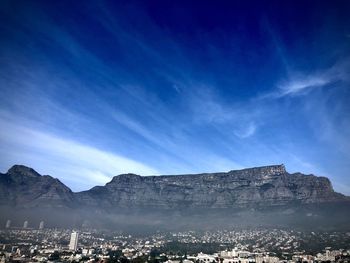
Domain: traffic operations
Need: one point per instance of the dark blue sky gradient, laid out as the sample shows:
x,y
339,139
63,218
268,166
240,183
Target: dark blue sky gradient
x,y
90,89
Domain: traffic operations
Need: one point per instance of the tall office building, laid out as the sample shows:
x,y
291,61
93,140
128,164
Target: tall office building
x,y
41,225
73,244
8,223
25,224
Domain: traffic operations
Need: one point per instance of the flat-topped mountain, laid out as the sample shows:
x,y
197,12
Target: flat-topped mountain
x,y
261,186
253,187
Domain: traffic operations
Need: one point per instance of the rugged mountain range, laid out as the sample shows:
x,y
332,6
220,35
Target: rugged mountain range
x,y
259,196
252,187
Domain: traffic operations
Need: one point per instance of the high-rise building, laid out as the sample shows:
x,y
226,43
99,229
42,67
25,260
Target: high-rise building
x,y
8,223
41,225
25,224
73,244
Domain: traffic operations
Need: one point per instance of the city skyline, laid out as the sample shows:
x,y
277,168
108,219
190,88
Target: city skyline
x,y
227,246
95,90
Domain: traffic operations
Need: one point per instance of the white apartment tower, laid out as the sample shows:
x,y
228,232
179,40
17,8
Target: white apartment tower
x,y
8,223
25,224
73,244
41,225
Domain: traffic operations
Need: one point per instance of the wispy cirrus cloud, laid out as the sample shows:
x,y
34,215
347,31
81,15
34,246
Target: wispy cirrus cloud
x,y
208,108
246,131
302,84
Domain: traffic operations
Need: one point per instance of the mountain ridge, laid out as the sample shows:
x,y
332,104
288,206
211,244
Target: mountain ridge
x,y
258,186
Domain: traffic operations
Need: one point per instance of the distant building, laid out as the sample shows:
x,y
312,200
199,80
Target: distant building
x,y
229,254
243,254
14,249
73,244
41,225
8,224
25,224
204,258
268,259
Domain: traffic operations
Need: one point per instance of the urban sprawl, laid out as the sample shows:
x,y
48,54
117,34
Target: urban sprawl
x,y
25,244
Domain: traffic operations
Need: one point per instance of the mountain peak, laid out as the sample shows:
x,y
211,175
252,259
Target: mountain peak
x,y
23,170
22,186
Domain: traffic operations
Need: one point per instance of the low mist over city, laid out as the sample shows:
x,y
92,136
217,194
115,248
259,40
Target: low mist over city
x,y
175,131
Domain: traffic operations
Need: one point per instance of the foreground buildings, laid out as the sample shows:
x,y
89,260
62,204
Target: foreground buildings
x,y
243,246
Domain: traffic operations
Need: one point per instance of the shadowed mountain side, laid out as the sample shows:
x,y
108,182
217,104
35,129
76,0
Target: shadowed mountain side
x,y
24,187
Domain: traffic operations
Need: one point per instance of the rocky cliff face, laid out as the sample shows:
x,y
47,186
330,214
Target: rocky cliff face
x,y
253,187
262,186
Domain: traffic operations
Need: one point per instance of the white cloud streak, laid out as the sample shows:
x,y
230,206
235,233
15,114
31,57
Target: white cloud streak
x,y
69,160
297,86
302,84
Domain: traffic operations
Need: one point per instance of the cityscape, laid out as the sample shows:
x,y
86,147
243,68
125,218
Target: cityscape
x,y
40,244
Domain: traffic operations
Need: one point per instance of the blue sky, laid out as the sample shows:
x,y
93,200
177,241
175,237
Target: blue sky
x,y
92,89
